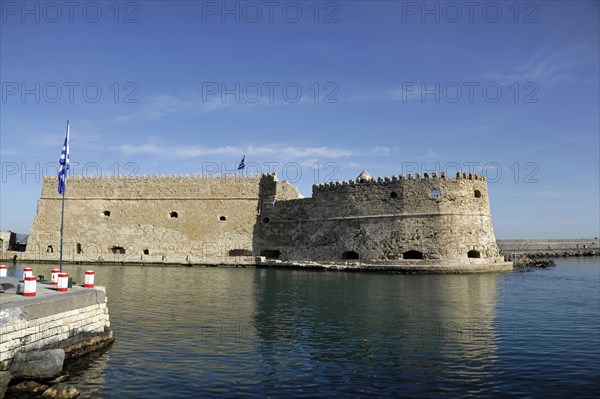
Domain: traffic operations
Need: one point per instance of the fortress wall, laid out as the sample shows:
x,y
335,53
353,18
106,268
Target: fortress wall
x,y
202,220
380,220
141,219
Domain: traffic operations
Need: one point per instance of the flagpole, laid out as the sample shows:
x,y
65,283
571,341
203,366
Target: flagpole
x,y
62,224
64,188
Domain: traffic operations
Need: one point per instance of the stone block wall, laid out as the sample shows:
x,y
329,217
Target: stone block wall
x,y
44,322
148,219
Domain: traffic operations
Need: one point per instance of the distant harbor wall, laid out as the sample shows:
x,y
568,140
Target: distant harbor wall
x,y
550,247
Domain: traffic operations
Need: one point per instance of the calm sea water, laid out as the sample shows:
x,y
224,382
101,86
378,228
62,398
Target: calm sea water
x,y
214,332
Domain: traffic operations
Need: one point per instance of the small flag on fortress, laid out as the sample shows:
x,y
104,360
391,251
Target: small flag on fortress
x,y
242,165
64,162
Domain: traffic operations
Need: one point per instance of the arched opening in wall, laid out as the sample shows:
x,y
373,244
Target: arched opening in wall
x,y
412,254
78,248
118,250
350,255
106,213
174,215
222,218
271,254
477,194
473,254
146,251
266,220
393,194
50,249
240,252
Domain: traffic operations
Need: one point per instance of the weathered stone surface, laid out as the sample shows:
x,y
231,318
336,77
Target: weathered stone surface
x,y
38,364
4,380
430,221
61,391
149,219
29,386
61,378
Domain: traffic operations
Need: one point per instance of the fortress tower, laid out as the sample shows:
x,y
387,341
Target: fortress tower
x,y
399,220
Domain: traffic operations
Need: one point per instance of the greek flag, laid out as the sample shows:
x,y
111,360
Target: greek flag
x,y
242,164
64,162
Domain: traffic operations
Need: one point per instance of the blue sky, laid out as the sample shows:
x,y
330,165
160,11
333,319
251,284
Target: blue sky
x,y
315,91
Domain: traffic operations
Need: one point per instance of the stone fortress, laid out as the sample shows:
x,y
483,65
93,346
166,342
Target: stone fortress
x,y
403,221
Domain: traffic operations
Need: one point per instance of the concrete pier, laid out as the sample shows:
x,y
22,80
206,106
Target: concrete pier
x,y
76,321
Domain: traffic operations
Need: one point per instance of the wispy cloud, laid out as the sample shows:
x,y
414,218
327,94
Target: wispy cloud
x,y
410,91
8,151
275,150
161,105
552,194
544,67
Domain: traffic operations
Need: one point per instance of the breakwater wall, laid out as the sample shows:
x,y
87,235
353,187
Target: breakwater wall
x,y
550,247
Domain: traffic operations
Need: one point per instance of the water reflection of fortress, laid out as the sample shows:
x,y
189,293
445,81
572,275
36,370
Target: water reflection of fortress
x,y
402,220
432,328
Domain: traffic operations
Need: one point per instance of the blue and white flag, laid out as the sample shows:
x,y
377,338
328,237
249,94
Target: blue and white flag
x,y
242,164
64,162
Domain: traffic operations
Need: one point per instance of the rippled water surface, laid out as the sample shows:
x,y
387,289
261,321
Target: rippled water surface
x,y
208,332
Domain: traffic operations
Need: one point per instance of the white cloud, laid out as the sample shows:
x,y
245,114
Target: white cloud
x,y
275,150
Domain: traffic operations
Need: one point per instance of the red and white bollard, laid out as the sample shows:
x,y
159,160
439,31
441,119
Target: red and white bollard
x,y
30,286
27,272
3,270
54,277
63,282
89,279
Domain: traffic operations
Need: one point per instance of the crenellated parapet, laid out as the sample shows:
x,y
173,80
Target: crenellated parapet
x,y
180,177
394,180
155,186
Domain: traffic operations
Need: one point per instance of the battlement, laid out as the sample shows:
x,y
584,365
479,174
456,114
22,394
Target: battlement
x,y
385,181
195,186
182,177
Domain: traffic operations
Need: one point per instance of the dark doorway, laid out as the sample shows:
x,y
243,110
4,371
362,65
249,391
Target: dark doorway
x,y
118,250
350,255
412,255
240,252
474,254
271,254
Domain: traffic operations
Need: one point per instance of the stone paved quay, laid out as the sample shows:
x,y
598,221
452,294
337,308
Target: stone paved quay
x,y
46,296
75,321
